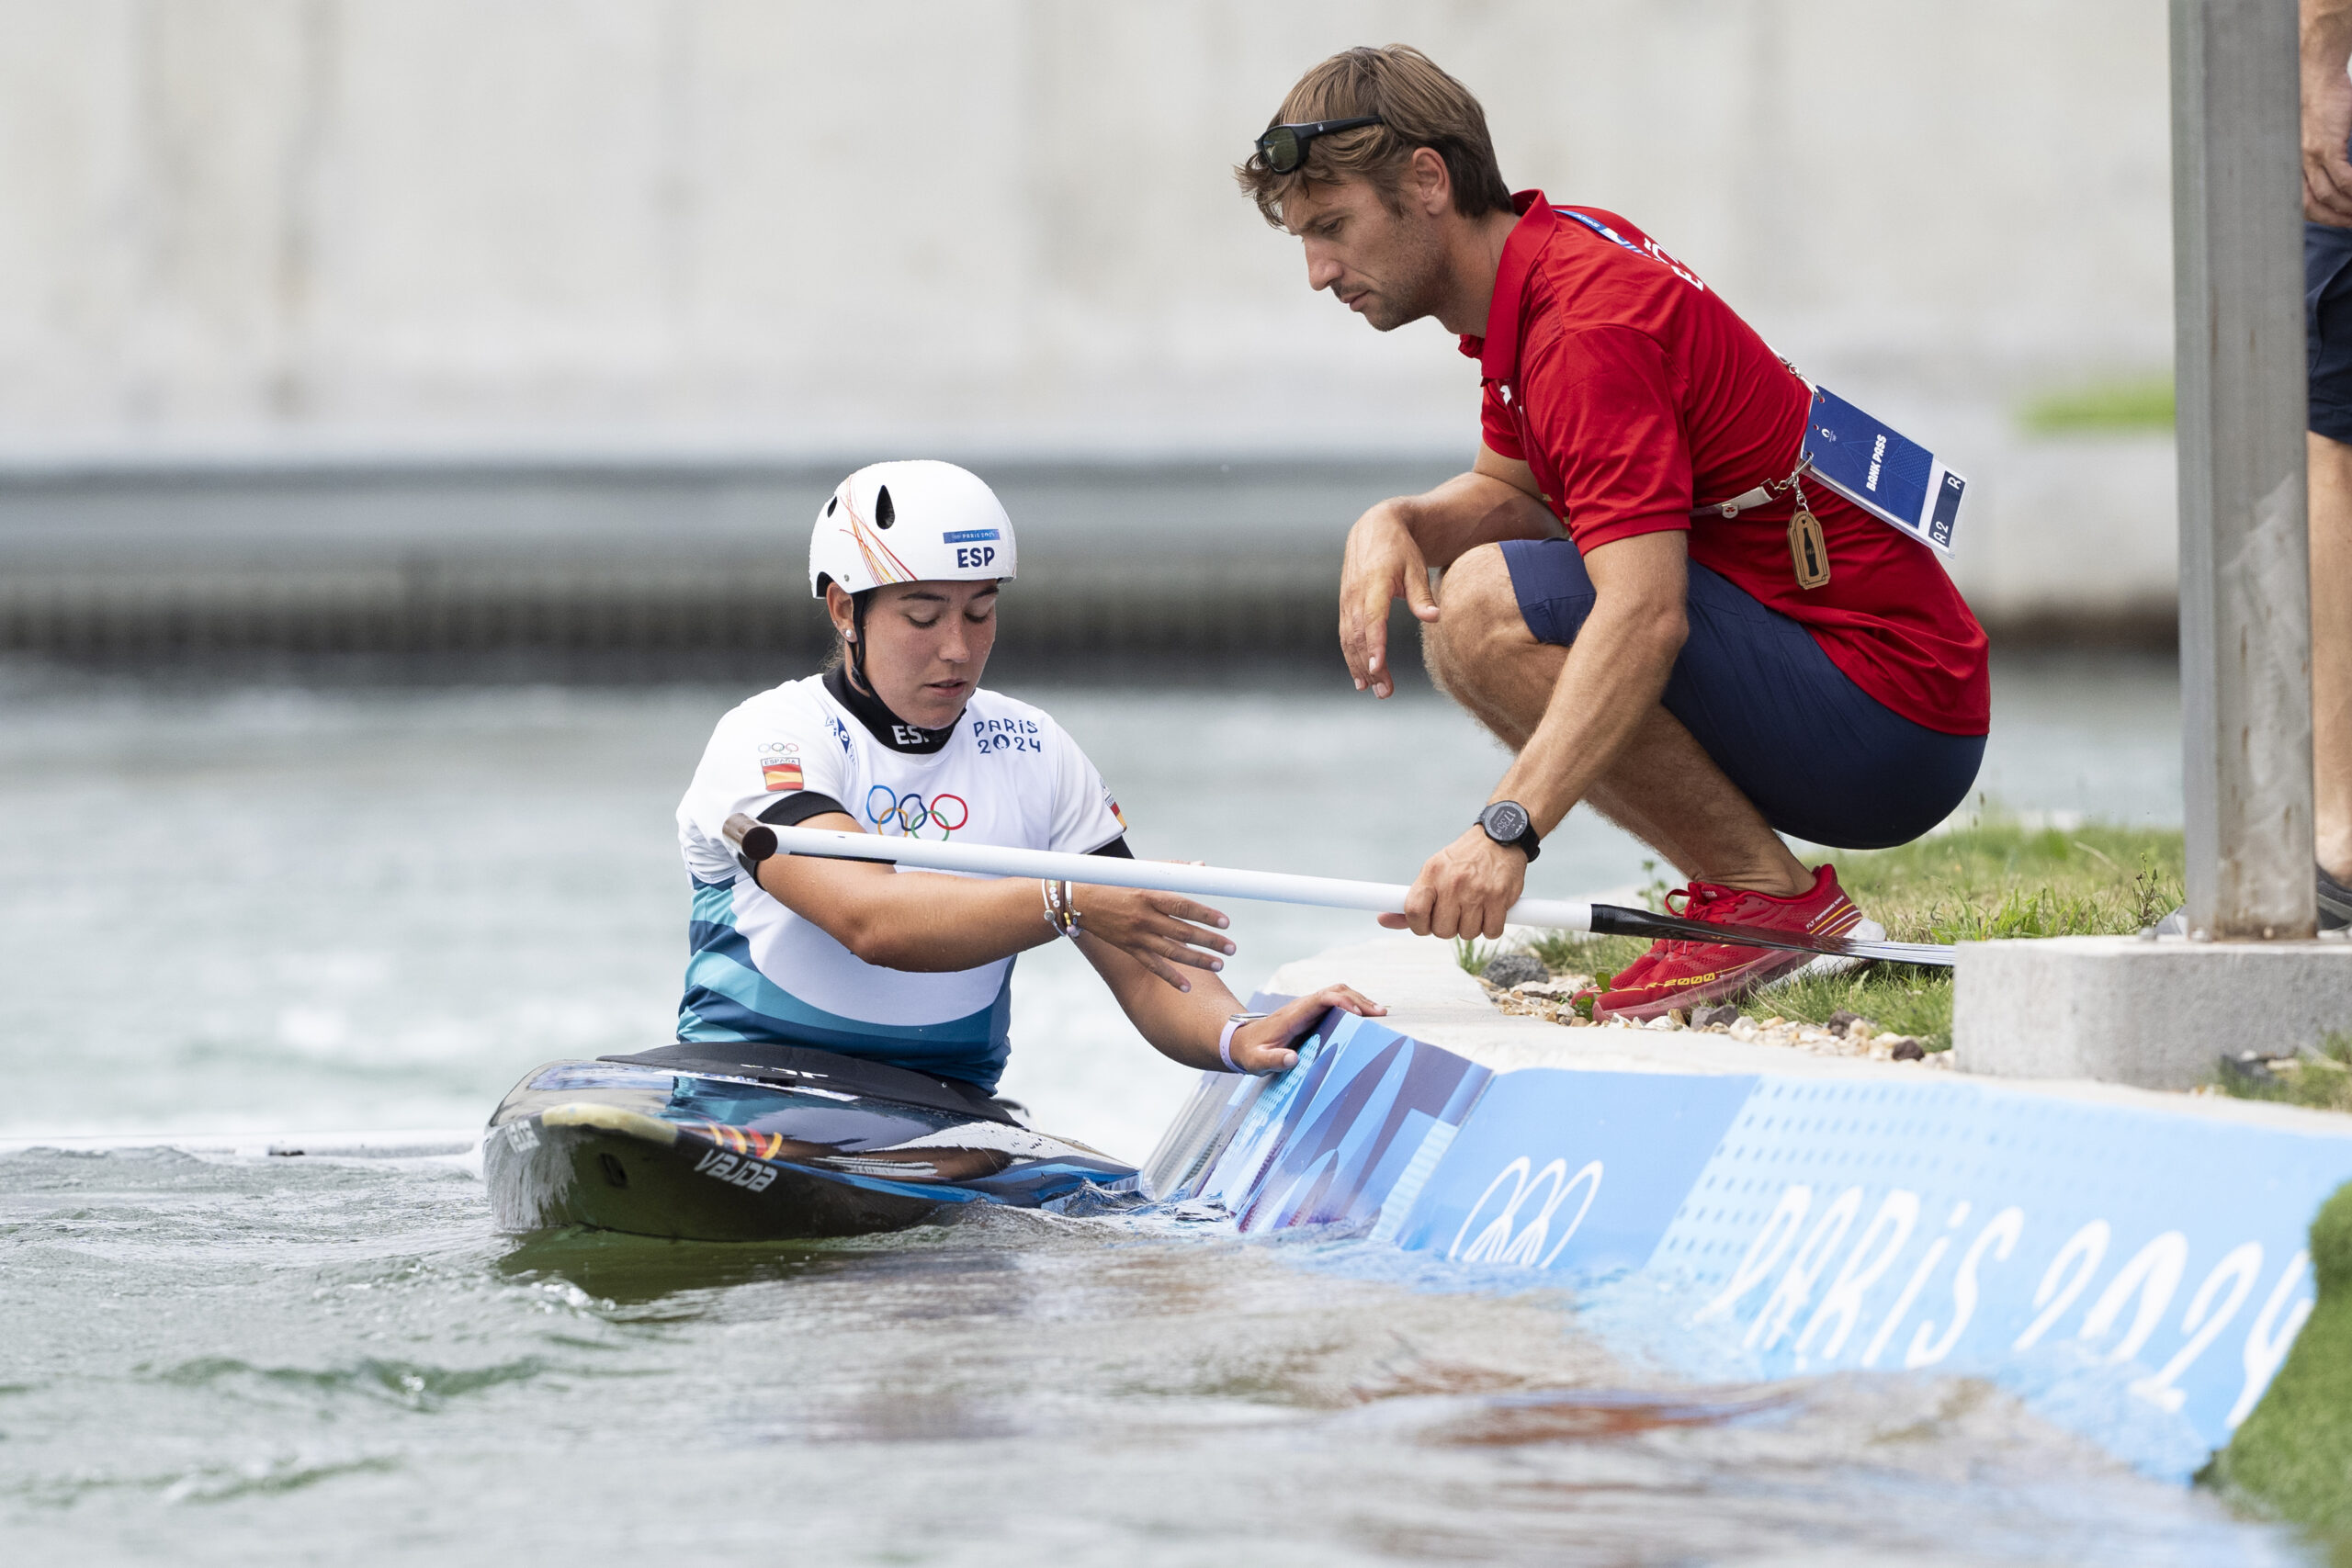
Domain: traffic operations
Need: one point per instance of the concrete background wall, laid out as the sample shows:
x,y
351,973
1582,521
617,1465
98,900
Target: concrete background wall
x,y
270,231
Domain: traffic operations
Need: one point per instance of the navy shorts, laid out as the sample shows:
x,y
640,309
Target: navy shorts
x,y
1821,758
2327,328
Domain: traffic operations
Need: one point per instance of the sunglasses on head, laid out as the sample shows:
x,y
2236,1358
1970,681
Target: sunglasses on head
x,y
1285,146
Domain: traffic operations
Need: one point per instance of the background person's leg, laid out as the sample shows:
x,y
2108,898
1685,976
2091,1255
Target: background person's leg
x,y
2327,302
1664,788
2331,526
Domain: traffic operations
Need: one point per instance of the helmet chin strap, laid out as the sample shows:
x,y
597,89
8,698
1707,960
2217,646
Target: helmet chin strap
x,y
857,639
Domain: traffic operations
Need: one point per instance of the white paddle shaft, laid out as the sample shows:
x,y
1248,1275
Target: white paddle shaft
x,y
1108,870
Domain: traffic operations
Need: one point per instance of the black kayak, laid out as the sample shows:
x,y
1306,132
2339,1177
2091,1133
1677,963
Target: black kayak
x,y
748,1142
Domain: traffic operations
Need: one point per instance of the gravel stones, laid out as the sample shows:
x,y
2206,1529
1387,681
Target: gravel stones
x,y
1547,999
1508,969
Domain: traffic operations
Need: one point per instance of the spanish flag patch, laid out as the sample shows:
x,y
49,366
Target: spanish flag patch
x,y
783,772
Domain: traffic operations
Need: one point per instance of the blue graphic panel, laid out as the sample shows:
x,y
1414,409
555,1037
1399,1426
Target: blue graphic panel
x,y
1975,1229
1373,1099
2136,1273
1233,1176
1577,1172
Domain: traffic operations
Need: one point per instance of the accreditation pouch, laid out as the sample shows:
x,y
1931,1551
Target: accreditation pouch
x,y
1881,470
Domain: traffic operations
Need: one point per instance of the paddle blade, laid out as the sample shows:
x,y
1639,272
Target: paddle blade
x,y
1611,920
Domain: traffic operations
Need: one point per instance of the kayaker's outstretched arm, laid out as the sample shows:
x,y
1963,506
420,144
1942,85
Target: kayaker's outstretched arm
x,y
1188,1026
927,923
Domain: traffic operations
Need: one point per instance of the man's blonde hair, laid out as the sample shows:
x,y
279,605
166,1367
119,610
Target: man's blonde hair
x,y
1419,105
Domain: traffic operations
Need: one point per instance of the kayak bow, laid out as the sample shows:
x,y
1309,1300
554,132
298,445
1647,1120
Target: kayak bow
x,y
740,1141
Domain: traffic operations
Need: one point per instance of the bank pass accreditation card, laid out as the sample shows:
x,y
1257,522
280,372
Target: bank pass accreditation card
x,y
1881,470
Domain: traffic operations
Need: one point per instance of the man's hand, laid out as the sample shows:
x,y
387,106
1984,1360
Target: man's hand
x,y
1264,1046
1152,929
2327,112
1393,546
1383,562
1465,889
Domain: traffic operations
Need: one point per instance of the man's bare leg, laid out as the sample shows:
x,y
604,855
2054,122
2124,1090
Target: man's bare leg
x,y
1663,788
2331,525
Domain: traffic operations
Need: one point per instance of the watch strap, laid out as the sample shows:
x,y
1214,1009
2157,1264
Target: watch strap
x,y
1224,1040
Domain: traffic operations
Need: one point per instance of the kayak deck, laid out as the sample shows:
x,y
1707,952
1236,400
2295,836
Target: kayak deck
x,y
793,1144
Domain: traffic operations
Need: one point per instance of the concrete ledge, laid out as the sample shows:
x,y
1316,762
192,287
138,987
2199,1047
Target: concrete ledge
x,y
2126,1009
1431,999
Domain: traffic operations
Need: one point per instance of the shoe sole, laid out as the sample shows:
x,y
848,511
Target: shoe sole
x,y
1765,972
1796,966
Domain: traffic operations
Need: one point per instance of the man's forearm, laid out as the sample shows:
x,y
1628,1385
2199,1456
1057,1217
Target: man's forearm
x,y
2327,29
2326,49
1470,509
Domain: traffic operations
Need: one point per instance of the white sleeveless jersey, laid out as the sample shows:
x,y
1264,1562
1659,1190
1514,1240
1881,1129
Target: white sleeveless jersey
x,y
756,971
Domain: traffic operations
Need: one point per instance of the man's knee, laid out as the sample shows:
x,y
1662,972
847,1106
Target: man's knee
x,y
1475,650
1477,610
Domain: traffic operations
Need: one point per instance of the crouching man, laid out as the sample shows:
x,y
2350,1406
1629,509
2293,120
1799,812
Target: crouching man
x,y
1715,651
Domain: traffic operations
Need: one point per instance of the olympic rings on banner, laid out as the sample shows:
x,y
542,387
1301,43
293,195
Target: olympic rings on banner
x,y
911,813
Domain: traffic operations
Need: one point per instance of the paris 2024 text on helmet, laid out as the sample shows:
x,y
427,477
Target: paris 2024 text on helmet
x,y
910,521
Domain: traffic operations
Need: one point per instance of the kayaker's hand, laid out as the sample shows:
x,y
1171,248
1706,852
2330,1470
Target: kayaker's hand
x,y
1162,931
1263,1046
1465,889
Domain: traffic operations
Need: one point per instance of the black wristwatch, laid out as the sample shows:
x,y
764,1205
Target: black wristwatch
x,y
1505,822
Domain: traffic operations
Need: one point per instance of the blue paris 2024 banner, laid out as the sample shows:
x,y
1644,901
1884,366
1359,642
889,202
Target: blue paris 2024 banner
x,y
2135,1273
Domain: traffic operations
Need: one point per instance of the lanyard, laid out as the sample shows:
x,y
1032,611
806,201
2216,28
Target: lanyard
x,y
1603,230
1650,251
1809,552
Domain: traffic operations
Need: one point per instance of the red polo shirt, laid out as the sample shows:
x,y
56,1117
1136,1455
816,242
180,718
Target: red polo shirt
x,y
1636,395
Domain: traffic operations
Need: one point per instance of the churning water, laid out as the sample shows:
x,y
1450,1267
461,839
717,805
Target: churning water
x,y
264,906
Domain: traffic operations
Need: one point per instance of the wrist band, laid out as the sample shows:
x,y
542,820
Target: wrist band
x,y
1225,1040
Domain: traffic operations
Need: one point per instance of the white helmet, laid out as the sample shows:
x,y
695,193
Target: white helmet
x,y
910,522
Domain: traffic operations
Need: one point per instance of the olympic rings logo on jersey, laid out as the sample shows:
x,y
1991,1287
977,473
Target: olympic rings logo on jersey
x,y
910,813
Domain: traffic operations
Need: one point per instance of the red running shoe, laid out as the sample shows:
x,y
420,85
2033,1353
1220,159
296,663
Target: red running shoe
x,y
1692,973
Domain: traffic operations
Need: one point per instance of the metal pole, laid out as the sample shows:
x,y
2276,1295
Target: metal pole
x,y
2244,571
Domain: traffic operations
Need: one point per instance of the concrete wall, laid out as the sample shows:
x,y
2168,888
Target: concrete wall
x,y
270,228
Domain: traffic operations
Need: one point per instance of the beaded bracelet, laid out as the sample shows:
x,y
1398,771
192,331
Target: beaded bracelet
x,y
1061,908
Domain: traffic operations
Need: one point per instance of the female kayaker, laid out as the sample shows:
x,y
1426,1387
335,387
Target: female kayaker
x,y
896,736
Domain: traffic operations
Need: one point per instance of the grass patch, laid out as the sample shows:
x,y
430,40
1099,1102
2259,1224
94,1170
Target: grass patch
x,y
1995,879
1570,953
2321,1079
2116,406
1472,953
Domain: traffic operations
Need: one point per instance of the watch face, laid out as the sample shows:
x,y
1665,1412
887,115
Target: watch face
x,y
1504,822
